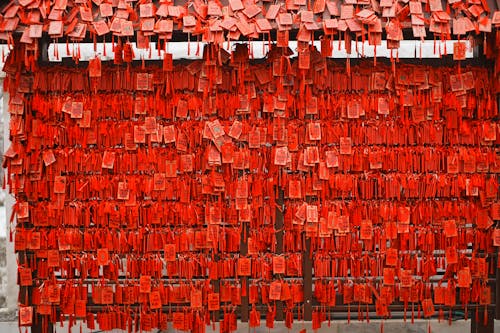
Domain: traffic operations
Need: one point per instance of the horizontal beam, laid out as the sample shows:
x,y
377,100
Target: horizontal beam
x,y
193,50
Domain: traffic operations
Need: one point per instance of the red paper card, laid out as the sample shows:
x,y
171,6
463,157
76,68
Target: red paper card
x,y
60,184
145,284
102,257
155,300
278,265
170,252
275,291
25,315
213,302
196,299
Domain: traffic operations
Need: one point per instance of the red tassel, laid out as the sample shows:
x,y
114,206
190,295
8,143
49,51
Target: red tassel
x,y
244,288
128,53
393,64
263,45
118,51
485,46
382,327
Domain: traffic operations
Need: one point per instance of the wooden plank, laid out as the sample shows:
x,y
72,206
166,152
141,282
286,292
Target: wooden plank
x,y
496,293
307,274
493,5
279,240
216,289
38,324
484,321
482,325
44,50
244,280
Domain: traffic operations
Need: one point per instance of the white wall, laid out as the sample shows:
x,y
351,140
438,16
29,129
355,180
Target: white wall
x,y
12,288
